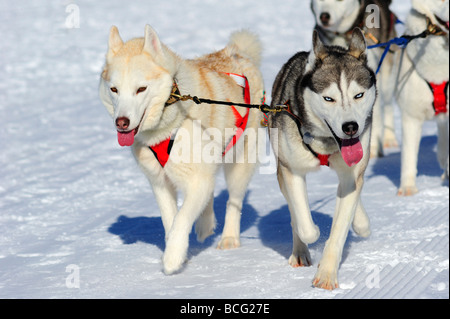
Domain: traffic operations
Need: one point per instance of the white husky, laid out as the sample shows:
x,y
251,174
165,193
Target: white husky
x,y
422,91
335,21
136,87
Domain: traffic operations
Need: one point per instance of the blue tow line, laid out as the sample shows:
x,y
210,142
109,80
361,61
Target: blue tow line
x,y
402,42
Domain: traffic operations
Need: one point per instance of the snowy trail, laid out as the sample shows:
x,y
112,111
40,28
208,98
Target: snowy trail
x,y
72,202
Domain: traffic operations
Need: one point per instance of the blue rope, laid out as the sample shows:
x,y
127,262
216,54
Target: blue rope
x,y
401,42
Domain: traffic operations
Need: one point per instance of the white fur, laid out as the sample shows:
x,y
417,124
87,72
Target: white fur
x,y
345,107
146,62
343,13
424,60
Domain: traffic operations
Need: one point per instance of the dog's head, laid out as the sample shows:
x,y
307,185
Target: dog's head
x,y
340,89
331,14
135,83
436,10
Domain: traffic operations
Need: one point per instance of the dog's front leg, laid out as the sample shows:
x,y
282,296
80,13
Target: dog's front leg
x,y
442,123
411,136
386,88
163,189
361,222
293,187
376,148
197,196
166,197
348,198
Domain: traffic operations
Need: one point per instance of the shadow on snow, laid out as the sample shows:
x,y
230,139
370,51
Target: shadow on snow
x,y
427,165
150,230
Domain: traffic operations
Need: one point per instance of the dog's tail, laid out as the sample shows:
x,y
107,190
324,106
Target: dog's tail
x,y
246,44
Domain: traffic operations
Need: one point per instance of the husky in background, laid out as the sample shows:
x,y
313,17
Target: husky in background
x,y
136,88
330,92
422,90
335,21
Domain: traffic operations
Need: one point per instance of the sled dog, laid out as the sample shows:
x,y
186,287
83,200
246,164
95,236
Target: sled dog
x,y
422,89
330,93
335,21
140,87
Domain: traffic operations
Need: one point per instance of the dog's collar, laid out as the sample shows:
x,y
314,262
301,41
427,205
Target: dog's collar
x,y
175,95
434,29
307,138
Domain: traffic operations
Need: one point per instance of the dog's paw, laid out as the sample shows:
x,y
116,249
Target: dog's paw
x,y
361,224
376,152
172,263
389,140
444,176
205,228
407,191
326,279
304,260
362,230
229,243
390,143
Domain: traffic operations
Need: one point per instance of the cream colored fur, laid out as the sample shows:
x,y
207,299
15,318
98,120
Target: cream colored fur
x,y
146,62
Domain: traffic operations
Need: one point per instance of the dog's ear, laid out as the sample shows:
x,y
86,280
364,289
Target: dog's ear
x,y
319,49
114,44
358,45
152,44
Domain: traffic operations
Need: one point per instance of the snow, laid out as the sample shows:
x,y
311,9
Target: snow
x,y
78,218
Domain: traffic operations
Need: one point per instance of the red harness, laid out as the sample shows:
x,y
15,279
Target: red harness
x,y
440,97
241,121
324,159
162,150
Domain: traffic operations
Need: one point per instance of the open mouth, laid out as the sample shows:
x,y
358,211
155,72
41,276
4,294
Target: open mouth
x,y
351,148
126,138
442,22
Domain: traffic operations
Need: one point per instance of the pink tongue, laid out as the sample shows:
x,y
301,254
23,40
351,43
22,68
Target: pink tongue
x,y
352,151
125,138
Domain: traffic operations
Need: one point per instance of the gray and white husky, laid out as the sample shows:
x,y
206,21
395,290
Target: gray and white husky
x,y
422,90
330,92
335,21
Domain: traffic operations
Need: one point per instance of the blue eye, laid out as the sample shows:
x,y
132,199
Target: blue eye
x,y
359,96
328,99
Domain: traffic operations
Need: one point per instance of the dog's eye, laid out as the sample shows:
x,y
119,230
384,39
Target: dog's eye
x,y
359,96
141,89
328,99
114,90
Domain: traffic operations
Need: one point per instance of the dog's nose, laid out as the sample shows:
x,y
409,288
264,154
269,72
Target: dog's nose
x,y
325,18
350,128
122,123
